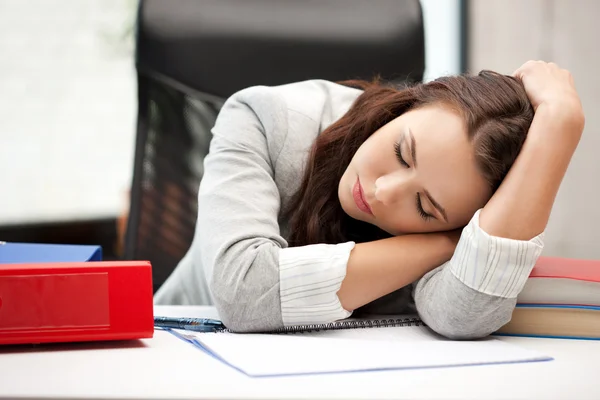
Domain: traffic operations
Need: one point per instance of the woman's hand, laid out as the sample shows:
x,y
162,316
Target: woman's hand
x,y
551,87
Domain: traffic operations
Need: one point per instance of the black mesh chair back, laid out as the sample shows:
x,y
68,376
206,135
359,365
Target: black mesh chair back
x,y
191,55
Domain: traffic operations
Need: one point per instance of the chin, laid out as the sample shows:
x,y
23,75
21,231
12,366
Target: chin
x,y
355,213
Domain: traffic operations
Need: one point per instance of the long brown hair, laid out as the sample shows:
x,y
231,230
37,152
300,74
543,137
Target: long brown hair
x,y
497,114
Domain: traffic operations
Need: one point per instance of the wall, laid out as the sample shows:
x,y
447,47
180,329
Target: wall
x,y
506,33
67,109
441,19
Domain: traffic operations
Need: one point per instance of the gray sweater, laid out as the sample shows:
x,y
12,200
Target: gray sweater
x,y
240,260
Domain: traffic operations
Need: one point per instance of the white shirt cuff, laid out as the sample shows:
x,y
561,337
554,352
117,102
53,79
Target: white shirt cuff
x,y
494,265
310,277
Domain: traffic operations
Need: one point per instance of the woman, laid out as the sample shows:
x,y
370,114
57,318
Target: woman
x,y
320,199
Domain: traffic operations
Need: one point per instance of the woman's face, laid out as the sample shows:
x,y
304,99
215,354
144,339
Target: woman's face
x,y
415,174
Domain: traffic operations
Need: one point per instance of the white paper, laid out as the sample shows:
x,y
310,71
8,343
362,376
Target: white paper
x,y
272,355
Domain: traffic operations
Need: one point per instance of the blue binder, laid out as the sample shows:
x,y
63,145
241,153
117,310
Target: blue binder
x,y
18,253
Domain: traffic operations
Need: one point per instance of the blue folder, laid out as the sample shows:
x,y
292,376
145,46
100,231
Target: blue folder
x,y
18,253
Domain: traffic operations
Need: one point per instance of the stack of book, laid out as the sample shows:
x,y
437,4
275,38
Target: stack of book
x,y
561,299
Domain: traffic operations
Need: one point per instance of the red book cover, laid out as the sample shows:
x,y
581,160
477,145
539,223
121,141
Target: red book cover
x,y
75,301
567,268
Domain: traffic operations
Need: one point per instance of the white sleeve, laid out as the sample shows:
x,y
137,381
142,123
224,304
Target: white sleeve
x,y
310,277
494,265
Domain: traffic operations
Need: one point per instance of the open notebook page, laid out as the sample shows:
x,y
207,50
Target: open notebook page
x,y
262,355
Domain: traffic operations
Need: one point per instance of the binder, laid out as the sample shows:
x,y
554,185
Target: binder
x,y
75,301
13,252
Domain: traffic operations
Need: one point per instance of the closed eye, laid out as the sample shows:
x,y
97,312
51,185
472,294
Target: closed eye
x,y
424,214
398,151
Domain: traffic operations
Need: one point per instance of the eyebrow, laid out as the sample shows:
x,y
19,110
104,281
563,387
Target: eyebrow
x,y
413,153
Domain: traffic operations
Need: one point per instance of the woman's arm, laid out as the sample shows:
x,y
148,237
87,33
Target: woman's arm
x,y
380,267
257,282
470,296
520,208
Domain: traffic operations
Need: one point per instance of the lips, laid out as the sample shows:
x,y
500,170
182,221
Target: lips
x,y
359,198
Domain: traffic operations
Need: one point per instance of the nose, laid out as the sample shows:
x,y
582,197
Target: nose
x,y
392,188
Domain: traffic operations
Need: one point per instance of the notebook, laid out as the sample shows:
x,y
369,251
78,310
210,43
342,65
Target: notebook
x,y
561,299
373,344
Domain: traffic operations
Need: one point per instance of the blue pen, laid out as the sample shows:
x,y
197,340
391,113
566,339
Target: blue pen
x,y
189,324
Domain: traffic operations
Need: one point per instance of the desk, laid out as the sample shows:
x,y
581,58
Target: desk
x,y
166,367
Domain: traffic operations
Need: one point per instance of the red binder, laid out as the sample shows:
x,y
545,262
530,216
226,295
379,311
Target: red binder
x,y
75,301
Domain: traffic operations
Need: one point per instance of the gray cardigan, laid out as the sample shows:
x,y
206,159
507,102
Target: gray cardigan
x,y
260,143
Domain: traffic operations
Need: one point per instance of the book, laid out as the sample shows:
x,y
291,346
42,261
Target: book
x,y
16,253
555,280
366,344
554,321
561,299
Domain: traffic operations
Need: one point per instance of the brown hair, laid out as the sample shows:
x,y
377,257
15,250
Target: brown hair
x,y
497,114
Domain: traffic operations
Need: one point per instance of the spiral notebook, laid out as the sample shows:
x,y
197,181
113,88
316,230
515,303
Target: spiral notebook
x,y
365,344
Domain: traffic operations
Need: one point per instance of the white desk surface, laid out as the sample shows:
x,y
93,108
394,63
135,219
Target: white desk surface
x,y
168,368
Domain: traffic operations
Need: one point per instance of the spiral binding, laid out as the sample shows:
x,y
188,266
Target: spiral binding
x,y
353,324
347,324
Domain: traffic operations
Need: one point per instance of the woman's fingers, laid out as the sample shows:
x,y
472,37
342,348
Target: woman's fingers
x,y
546,82
528,66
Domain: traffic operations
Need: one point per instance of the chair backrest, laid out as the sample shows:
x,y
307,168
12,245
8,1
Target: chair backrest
x,y
191,55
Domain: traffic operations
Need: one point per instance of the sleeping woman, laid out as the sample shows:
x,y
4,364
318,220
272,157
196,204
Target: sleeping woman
x,y
322,199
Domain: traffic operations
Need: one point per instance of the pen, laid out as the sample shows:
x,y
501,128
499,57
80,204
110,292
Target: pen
x,y
189,324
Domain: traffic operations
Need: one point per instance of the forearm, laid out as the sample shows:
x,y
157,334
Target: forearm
x,y
521,207
377,268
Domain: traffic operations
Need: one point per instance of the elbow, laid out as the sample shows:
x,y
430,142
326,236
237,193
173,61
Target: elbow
x,y
246,301
229,307
233,321
470,324
458,312
235,308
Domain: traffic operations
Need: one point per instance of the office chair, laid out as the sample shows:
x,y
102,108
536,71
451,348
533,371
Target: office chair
x,y
191,55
